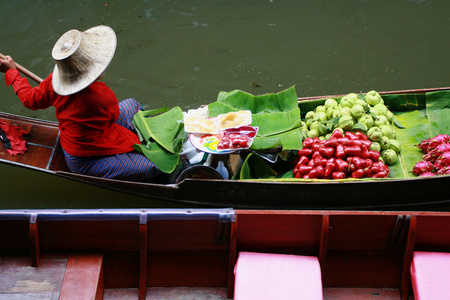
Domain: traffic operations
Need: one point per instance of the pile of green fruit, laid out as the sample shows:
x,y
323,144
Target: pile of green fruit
x,y
357,113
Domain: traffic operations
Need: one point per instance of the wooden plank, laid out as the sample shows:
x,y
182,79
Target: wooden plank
x,y
280,233
188,268
359,232
83,278
361,252
363,269
70,235
18,280
58,161
143,247
407,258
324,242
184,235
34,241
122,269
14,236
433,233
232,258
164,293
360,293
34,156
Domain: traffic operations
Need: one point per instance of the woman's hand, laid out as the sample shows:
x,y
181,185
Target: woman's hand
x,y
6,64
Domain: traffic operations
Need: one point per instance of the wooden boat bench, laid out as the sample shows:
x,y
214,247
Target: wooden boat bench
x,y
427,256
277,276
283,261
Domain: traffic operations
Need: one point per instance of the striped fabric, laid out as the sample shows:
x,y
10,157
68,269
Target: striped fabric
x,y
128,108
126,166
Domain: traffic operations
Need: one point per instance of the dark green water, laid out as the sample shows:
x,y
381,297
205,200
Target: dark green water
x,y
185,52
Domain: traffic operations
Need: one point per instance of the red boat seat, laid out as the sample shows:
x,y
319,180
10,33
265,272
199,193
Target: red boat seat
x,y
277,276
430,273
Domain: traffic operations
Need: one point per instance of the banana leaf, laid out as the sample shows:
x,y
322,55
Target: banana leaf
x,y
162,134
283,101
438,112
291,140
417,125
274,123
405,102
415,130
254,167
276,115
163,159
161,125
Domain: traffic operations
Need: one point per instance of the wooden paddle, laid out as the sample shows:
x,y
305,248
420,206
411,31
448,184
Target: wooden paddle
x,y
25,71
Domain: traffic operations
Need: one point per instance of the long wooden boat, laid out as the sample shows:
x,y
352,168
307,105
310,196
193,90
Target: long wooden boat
x,y
44,155
362,254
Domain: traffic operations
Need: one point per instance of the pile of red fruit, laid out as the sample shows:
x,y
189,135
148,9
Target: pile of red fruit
x,y
341,156
236,138
436,159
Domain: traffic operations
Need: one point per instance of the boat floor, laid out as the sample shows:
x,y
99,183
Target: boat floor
x,y
18,280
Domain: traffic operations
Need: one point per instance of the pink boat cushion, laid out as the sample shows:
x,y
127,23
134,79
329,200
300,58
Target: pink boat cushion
x,y
277,276
430,275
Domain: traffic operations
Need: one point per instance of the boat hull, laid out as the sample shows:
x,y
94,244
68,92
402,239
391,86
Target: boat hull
x,y
45,155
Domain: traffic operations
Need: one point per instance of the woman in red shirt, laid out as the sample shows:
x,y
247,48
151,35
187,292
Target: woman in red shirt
x,y
96,131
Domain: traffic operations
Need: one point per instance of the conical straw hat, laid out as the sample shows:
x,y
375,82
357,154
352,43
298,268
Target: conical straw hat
x,y
81,57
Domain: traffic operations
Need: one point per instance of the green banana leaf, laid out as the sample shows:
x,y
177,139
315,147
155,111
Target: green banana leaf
x,y
164,128
283,101
254,167
415,130
163,159
405,102
438,112
417,125
274,123
291,140
139,122
276,115
162,134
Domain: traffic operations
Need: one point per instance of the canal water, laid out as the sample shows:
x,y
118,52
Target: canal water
x,y
184,52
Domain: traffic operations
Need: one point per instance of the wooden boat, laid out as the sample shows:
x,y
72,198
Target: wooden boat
x,y
44,155
362,254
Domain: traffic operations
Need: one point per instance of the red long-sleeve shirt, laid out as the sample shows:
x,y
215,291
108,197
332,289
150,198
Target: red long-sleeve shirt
x,y
87,119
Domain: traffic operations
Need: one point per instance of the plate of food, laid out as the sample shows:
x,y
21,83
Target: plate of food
x,y
198,121
226,141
